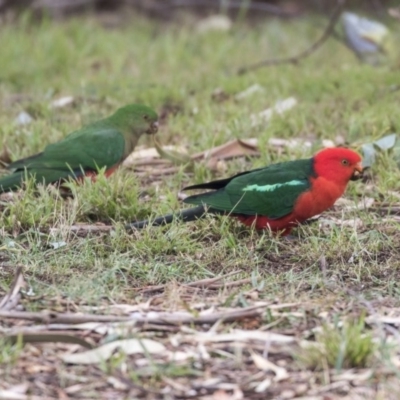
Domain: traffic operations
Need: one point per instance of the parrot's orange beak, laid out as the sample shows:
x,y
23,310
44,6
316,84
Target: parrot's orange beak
x,y
358,171
153,128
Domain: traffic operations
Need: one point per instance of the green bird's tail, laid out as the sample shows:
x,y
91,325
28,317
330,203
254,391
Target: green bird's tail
x,y
190,214
11,182
43,175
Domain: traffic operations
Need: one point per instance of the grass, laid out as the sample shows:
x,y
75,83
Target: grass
x,y
329,268
341,347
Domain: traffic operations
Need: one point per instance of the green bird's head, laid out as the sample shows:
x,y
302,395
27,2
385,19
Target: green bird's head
x,y
137,119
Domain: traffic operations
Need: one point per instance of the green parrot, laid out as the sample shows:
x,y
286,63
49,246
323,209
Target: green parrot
x,y
101,144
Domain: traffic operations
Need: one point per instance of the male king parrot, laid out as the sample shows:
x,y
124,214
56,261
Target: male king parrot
x,y
104,143
276,197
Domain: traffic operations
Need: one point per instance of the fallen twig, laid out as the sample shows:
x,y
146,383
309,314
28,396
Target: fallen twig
x,y
386,210
203,283
83,228
67,318
204,317
46,337
157,171
165,318
230,284
11,299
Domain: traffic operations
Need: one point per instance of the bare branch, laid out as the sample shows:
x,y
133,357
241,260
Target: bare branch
x,y
11,299
169,318
295,59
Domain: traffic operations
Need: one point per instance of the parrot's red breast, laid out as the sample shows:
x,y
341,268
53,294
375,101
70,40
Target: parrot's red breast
x,y
107,173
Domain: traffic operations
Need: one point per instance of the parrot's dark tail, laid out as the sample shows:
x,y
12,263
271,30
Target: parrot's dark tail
x,y
11,182
191,214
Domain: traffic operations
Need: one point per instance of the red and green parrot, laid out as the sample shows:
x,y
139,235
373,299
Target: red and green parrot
x,y
101,144
277,197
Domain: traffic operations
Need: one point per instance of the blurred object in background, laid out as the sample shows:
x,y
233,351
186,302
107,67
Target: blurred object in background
x,y
218,22
167,8
394,12
371,41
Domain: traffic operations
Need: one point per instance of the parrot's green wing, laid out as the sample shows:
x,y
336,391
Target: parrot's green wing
x,y
271,191
102,144
86,149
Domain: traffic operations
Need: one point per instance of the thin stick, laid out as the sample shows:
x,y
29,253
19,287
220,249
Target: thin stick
x,y
83,229
11,299
295,59
230,284
386,210
207,283
46,337
67,318
164,318
253,6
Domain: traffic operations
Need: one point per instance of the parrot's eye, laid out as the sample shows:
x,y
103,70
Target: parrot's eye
x,y
345,162
146,117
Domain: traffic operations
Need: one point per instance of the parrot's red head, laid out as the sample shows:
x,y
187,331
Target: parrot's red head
x,y
338,165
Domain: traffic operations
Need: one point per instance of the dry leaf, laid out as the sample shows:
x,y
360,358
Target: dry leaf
x,y
266,365
179,155
256,88
18,392
263,386
213,164
238,335
347,204
353,375
394,12
293,143
328,143
365,203
278,108
103,353
355,223
117,384
219,95
11,395
5,156
214,157
218,22
8,197
221,393
383,319
23,118
179,356
19,389
62,102
234,148
141,153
